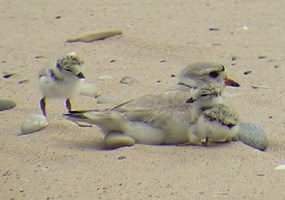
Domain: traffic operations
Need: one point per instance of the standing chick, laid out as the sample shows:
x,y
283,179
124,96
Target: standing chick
x,y
61,81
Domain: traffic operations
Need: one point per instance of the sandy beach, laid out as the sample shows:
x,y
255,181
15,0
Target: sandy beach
x,y
159,39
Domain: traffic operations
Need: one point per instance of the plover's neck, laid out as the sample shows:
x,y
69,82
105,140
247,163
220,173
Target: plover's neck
x,y
55,74
204,104
190,84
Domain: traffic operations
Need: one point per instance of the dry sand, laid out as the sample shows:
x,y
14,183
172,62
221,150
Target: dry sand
x,y
160,37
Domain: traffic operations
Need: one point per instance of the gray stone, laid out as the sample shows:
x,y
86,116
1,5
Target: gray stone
x,y
252,135
6,104
33,123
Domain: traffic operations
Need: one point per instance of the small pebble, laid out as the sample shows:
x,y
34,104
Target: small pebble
x,y
162,61
252,135
37,57
260,87
57,17
33,123
7,75
234,58
122,157
173,75
6,104
247,72
262,57
214,29
127,80
23,81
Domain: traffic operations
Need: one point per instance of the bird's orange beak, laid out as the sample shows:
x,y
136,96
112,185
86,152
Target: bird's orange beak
x,y
230,82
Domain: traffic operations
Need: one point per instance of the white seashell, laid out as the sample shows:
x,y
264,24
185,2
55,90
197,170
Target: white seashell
x,y
33,123
280,167
105,77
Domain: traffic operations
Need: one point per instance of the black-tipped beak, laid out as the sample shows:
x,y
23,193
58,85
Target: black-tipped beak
x,y
191,100
231,83
80,75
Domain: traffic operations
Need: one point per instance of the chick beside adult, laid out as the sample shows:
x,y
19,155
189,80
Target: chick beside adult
x,y
216,124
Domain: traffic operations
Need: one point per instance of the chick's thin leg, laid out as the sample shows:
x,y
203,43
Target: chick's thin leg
x,y
43,106
68,104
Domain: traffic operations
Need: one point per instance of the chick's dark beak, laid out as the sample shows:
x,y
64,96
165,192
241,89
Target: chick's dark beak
x,y
80,75
191,100
231,82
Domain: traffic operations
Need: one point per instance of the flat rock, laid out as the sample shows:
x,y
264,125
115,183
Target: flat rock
x,y
6,104
252,135
117,140
33,123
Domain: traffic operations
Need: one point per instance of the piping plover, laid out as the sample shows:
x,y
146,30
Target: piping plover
x,y
61,81
162,118
190,78
205,97
164,124
216,124
205,72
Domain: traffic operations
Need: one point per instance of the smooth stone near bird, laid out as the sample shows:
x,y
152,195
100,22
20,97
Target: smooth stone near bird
x,y
252,135
6,104
33,123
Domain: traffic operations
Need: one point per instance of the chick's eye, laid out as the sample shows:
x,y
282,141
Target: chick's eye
x,y
69,70
214,74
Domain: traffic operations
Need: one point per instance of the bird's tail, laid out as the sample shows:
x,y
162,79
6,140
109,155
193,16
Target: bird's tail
x,y
108,121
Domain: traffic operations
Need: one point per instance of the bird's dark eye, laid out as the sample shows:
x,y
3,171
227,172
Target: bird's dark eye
x,y
229,125
69,70
204,95
214,74
58,65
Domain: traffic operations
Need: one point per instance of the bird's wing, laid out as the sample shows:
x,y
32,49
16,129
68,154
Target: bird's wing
x,y
171,97
157,109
